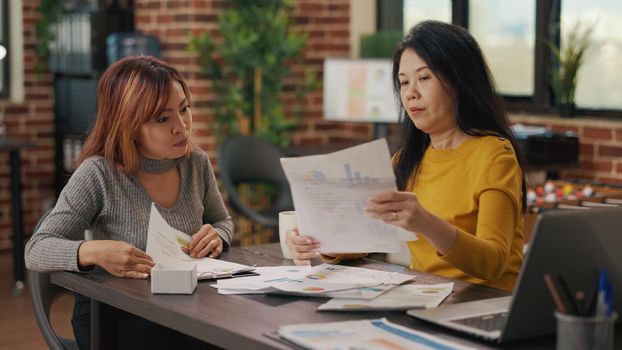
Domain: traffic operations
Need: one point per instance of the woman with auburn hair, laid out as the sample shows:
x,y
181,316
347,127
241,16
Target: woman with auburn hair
x,y
140,151
458,167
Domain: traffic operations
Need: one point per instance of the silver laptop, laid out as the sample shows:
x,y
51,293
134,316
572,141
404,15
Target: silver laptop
x,y
573,243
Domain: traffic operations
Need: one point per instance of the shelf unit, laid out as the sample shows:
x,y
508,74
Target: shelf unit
x,y
77,59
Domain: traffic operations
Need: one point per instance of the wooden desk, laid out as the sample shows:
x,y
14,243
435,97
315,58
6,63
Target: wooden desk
x,y
241,321
14,146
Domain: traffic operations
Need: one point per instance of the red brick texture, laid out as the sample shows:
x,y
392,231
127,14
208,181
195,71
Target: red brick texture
x,y
600,148
172,21
32,120
328,25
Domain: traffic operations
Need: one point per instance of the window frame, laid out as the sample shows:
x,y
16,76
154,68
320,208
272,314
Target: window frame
x,y
4,93
543,99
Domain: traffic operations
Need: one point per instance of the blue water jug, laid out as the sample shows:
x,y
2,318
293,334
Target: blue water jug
x,y
122,44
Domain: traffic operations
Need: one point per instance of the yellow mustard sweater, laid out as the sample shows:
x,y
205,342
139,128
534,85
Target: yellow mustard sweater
x,y
476,188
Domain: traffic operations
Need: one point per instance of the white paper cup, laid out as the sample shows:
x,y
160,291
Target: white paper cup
x,y
287,221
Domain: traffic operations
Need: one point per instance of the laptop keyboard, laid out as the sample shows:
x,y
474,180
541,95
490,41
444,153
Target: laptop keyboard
x,y
490,322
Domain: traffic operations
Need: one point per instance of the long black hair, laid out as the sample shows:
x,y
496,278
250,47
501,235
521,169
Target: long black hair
x,y
455,57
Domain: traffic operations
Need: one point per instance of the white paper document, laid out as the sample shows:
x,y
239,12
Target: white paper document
x,y
331,192
404,297
164,245
321,281
379,334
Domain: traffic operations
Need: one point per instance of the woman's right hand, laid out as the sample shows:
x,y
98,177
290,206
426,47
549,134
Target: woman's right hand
x,y
303,248
119,258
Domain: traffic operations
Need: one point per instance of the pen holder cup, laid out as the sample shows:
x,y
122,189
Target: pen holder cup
x,y
583,333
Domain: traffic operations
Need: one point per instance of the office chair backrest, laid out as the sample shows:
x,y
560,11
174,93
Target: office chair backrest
x,y
43,294
247,159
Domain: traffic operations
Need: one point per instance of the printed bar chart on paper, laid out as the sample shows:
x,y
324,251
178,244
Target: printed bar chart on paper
x,y
331,193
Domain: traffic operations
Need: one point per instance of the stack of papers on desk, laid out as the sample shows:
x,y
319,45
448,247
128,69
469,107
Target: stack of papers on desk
x,y
208,269
404,297
331,192
324,280
379,334
164,246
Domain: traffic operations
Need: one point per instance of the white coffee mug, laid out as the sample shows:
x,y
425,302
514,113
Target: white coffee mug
x,y
287,221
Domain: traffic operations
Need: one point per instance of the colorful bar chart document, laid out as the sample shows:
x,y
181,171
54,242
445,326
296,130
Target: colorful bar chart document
x,y
379,334
331,192
404,297
336,281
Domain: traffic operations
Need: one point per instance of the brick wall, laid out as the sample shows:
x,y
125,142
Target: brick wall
x,y
328,25
32,120
600,148
173,22
326,21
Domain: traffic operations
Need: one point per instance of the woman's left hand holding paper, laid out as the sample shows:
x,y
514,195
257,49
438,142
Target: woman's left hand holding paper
x,y
206,242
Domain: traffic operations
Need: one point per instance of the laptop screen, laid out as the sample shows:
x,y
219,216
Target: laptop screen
x,y
575,244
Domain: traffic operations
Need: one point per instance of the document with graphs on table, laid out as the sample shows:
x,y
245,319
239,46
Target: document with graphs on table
x,y
331,192
326,280
164,245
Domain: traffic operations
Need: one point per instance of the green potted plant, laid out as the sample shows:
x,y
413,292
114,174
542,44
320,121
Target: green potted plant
x,y
248,61
248,58
50,11
381,44
568,60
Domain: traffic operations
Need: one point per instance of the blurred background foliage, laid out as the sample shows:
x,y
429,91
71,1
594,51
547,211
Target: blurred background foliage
x,y
248,59
381,44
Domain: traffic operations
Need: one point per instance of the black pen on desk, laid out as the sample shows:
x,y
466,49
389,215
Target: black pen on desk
x,y
568,295
580,298
608,299
559,304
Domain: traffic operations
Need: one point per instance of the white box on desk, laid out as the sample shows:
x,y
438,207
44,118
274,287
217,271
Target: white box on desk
x,y
167,278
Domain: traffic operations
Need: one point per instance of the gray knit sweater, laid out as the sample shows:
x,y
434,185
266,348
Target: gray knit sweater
x,y
116,207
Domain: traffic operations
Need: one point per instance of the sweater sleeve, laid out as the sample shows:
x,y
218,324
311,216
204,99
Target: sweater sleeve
x,y
215,212
485,253
54,246
341,257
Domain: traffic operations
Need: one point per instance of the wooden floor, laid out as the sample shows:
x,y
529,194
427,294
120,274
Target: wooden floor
x,y
18,327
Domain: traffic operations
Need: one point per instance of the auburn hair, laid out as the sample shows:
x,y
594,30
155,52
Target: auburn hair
x,y
131,92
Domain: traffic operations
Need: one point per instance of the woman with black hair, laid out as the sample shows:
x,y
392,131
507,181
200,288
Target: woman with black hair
x,y
458,168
